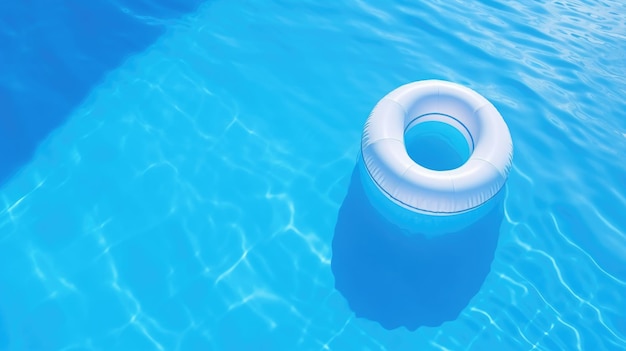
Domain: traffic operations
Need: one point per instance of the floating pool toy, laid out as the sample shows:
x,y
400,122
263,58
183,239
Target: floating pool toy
x,y
386,164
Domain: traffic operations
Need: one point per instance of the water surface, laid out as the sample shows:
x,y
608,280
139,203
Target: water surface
x,y
190,201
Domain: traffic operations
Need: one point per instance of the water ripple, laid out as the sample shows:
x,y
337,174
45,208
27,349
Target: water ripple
x,y
190,201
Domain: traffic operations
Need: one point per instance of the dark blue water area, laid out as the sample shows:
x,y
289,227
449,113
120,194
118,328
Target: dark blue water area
x,y
401,280
53,52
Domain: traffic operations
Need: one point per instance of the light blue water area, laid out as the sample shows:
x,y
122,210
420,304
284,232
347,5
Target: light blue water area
x,y
192,200
437,146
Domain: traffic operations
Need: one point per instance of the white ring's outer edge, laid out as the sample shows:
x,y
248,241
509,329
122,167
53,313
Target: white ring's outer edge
x,y
427,191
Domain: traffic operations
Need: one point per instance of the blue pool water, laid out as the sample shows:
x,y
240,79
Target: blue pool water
x,y
52,54
196,190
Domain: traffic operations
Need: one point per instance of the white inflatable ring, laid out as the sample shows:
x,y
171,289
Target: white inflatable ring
x,y
427,191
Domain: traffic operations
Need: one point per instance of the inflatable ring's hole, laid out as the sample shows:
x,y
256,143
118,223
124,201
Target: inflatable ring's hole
x,y
437,145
